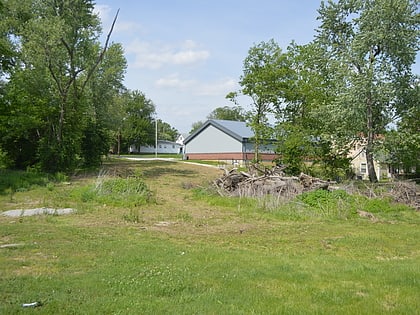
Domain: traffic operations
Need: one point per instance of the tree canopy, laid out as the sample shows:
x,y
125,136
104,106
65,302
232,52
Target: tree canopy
x,y
369,48
62,100
352,82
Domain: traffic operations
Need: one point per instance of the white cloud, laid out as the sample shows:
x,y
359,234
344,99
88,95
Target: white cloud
x,y
103,11
107,15
189,44
221,87
173,81
189,56
194,87
123,27
156,55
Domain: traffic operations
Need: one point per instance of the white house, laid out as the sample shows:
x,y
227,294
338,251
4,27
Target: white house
x,y
224,140
180,140
163,147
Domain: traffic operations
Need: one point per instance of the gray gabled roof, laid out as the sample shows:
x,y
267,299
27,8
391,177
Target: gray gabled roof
x,y
236,129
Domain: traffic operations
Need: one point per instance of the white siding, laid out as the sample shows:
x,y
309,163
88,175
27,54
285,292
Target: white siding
x,y
163,147
212,140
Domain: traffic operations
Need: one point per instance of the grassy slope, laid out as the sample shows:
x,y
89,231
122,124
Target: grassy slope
x,y
189,254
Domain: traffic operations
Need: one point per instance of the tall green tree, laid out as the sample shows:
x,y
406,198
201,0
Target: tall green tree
x,y
166,132
12,16
368,47
138,127
262,69
104,111
59,56
401,147
301,131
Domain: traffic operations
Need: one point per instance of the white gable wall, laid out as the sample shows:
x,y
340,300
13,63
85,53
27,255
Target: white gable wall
x,y
212,140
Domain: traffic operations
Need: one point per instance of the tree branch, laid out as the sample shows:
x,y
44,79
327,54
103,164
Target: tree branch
x,y
101,55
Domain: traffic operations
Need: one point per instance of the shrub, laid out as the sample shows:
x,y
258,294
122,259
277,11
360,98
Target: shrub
x,y
337,203
382,205
20,180
4,160
322,197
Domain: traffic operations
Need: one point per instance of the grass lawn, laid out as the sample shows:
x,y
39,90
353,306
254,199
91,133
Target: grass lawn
x,y
169,246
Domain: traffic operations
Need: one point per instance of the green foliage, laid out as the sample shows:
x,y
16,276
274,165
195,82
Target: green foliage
x,y
166,132
263,72
401,148
4,160
122,186
95,145
338,203
381,205
294,147
320,198
21,180
195,126
328,204
368,50
133,215
330,163
63,82
138,127
235,113
61,177
130,191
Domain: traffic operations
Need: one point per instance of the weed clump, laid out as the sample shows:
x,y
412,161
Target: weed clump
x,y
131,191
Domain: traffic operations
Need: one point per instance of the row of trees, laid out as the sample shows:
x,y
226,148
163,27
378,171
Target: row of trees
x,y
62,100
353,82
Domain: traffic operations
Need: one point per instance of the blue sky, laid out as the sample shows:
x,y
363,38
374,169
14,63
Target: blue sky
x,y
186,55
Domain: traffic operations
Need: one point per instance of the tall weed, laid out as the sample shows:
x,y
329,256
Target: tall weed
x,y
130,191
324,203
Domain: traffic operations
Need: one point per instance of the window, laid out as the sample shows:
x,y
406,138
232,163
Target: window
x,y
362,168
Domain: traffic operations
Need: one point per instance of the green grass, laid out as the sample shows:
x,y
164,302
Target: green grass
x,y
188,251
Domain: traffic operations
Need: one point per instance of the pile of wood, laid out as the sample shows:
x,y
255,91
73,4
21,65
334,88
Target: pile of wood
x,y
259,182
406,192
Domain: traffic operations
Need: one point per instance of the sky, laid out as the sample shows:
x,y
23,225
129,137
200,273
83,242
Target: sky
x,y
187,55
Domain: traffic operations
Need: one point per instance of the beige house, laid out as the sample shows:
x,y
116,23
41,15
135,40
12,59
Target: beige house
x,y
359,165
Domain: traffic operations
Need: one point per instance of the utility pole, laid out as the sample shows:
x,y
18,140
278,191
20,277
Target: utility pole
x,y
156,138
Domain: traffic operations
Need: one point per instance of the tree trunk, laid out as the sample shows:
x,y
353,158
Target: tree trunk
x,y
370,139
370,166
119,142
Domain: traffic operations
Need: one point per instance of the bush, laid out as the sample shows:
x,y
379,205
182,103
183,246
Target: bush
x,y
4,160
319,198
383,205
332,204
20,180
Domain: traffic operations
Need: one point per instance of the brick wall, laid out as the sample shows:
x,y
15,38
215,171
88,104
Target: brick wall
x,y
229,156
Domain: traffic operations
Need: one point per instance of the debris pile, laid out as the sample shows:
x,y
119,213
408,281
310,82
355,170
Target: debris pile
x,y
259,182
406,192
